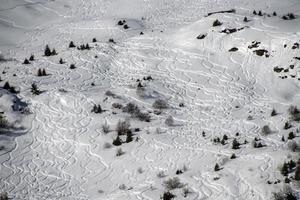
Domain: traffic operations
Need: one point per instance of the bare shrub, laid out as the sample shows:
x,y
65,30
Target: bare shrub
x,y
120,152
266,130
292,145
122,187
169,121
4,196
286,194
117,105
140,170
131,108
160,104
123,127
173,183
3,121
105,127
110,94
294,113
161,174
107,145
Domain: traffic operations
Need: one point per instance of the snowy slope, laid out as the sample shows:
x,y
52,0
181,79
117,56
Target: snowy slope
x,y
65,153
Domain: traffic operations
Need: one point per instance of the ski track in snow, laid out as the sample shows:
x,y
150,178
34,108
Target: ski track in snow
x,y
62,155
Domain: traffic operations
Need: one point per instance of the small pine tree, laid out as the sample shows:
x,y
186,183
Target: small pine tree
x,y
217,23
71,45
254,12
260,13
53,53
117,141
31,57
94,40
72,66
34,89
235,144
283,139
168,196
274,13
61,61
225,137
291,136
297,174
287,125
203,134
245,19
273,113
44,72
47,51
233,156
87,46
40,73
284,170
129,137
6,86
217,167
26,61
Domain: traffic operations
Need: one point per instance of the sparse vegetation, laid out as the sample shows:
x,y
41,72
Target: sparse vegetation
x,y
168,196
266,130
173,183
119,152
123,127
160,104
35,90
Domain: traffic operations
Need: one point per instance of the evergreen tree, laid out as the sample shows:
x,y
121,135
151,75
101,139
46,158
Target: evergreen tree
x,y
26,61
217,167
94,40
129,137
47,51
6,86
284,170
291,136
53,53
233,156
44,72
71,45
61,61
297,174
254,12
31,57
235,144
40,73
35,90
117,141
273,113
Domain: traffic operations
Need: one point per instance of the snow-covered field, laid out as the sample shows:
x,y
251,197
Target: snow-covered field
x,y
55,147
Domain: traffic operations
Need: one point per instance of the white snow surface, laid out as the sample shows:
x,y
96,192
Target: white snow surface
x,y
62,154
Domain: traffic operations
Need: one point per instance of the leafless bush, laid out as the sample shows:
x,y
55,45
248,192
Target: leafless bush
x,y
286,194
107,145
173,183
169,121
294,113
119,152
131,108
135,111
140,170
293,145
266,130
117,105
122,187
161,174
3,121
105,127
123,127
110,94
4,196
160,104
